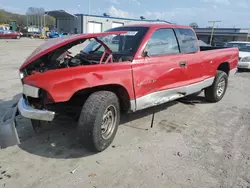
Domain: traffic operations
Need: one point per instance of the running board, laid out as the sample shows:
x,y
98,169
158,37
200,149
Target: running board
x,y
169,98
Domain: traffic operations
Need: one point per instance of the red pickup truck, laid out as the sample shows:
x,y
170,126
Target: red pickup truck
x,y
124,69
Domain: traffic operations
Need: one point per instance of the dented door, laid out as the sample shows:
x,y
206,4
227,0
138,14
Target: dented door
x,y
160,73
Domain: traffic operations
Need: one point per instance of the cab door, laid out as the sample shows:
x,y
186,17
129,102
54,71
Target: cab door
x,y
189,48
159,74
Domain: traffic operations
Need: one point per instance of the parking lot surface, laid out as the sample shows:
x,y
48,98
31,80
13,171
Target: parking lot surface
x,y
192,143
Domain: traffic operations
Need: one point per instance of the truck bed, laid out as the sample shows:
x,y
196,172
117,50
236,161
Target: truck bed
x,y
206,48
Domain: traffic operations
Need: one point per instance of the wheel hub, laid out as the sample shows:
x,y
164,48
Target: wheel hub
x,y
108,122
221,87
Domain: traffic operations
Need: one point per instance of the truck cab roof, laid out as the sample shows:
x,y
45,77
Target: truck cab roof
x,y
157,26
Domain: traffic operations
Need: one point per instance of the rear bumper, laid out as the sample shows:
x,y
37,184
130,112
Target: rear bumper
x,y
29,112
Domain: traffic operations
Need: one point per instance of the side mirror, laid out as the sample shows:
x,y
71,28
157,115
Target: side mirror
x,y
145,54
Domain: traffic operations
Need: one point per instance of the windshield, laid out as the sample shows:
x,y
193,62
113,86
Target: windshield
x,y
243,47
126,44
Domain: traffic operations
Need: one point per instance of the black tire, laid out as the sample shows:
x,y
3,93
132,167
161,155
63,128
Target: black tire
x,y
91,120
211,93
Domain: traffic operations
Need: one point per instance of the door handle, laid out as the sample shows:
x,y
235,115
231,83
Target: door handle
x,y
183,64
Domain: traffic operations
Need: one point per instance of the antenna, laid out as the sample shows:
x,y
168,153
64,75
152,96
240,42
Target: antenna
x,y
248,33
152,120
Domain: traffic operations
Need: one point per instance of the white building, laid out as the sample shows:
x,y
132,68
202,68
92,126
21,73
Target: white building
x,y
84,23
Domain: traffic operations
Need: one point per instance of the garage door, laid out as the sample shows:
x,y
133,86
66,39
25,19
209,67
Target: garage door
x,y
94,27
117,24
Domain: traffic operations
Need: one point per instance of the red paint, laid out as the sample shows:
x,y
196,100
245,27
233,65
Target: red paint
x,y
149,74
62,84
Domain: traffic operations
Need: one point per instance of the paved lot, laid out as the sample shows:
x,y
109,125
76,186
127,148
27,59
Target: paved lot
x,y
191,145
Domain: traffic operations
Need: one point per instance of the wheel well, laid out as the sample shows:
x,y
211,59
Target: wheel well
x,y
81,96
224,67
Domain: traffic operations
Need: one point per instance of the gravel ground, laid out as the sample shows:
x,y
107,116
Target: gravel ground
x,y
191,144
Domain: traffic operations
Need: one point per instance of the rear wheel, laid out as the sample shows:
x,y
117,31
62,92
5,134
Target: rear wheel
x,y
216,92
99,120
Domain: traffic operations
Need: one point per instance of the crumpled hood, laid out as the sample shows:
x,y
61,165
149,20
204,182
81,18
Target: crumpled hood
x,y
53,44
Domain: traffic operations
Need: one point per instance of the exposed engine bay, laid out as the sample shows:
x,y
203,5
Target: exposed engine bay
x,y
62,58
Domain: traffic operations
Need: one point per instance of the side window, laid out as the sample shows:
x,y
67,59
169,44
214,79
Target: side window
x,y
187,40
162,42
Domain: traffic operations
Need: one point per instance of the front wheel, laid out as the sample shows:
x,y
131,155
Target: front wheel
x,y
99,120
217,90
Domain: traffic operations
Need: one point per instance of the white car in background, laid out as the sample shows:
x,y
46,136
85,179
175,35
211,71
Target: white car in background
x,y
244,53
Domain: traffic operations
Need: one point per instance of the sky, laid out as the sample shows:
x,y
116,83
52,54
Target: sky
x,y
231,13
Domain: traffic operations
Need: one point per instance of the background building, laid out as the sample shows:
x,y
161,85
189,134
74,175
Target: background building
x,y
84,23
222,34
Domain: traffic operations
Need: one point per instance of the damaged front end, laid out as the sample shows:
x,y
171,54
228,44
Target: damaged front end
x,y
47,69
54,54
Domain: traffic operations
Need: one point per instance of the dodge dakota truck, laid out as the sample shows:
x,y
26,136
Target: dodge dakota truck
x,y
124,69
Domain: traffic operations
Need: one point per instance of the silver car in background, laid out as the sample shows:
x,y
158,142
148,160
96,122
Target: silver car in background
x,y
244,53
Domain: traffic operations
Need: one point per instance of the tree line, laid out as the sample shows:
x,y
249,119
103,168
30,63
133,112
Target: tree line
x,y
21,19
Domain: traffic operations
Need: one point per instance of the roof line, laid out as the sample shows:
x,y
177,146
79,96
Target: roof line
x,y
221,33
59,12
119,18
220,28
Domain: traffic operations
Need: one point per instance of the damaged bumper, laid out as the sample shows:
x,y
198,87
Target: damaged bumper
x,y
8,132
31,113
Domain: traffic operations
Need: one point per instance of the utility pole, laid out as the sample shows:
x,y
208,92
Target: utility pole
x,y
89,7
78,9
212,33
88,18
44,22
248,33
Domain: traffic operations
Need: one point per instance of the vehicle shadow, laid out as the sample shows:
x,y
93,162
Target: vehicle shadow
x,y
60,140
129,117
243,70
194,99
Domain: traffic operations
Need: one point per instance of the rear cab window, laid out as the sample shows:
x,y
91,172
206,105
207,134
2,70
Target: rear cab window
x,y
162,42
187,40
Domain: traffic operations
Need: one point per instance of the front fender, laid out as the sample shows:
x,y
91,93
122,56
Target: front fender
x,y
61,84
63,91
